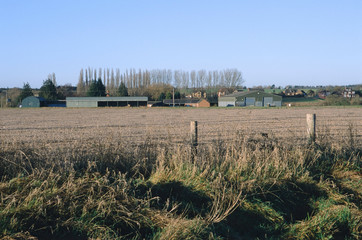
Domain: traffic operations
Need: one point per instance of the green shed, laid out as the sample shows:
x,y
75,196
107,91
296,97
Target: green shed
x,y
33,102
250,98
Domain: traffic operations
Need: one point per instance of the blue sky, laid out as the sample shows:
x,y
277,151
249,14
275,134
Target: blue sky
x,y
281,42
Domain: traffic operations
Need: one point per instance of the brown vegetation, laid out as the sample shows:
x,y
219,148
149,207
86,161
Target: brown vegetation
x,y
129,173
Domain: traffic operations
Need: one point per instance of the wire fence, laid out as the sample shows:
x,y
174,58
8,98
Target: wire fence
x,y
165,126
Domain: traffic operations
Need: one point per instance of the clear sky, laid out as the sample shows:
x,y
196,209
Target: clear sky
x,y
281,42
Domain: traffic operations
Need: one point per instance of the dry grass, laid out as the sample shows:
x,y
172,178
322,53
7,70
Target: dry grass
x,y
129,173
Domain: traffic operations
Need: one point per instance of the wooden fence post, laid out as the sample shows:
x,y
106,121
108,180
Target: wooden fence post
x,y
193,134
311,127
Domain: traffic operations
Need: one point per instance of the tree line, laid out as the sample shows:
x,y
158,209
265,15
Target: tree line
x,y
157,84
137,81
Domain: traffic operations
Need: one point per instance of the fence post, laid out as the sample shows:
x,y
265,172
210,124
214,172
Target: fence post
x,y
193,134
311,126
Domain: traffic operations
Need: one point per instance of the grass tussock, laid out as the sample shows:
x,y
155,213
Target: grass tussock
x,y
250,188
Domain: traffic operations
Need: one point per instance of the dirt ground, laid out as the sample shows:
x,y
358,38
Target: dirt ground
x,y
172,125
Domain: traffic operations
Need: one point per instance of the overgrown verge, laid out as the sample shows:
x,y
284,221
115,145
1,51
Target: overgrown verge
x,y
250,188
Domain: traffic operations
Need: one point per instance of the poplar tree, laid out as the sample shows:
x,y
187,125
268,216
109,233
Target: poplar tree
x,y
54,79
118,77
81,86
193,78
86,78
108,86
104,77
113,86
95,74
90,74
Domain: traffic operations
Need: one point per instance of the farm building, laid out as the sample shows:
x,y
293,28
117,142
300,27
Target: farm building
x,y
33,102
348,93
106,101
187,102
250,98
41,102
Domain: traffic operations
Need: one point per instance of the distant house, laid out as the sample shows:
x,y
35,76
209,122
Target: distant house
x,y
289,92
198,94
187,102
294,92
323,94
349,93
222,92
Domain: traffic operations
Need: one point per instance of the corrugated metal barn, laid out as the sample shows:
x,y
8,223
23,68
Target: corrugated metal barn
x,y
41,102
106,101
250,98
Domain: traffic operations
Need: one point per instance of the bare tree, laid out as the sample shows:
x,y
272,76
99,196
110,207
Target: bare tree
x,y
118,77
221,78
54,79
146,78
169,76
185,79
104,78
108,83
201,78
193,78
209,79
112,85
90,74
134,82
156,76
128,79
178,78
233,77
215,78
81,85
227,77
124,79
163,76
159,76
95,75
139,79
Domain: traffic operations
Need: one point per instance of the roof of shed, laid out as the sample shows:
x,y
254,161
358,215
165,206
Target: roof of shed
x,y
41,99
246,93
107,99
239,94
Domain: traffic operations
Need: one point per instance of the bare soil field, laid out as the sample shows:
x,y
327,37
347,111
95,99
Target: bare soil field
x,y
172,125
